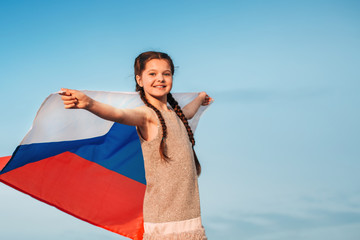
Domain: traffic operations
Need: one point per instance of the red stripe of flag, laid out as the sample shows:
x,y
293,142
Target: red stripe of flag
x,y
85,190
4,161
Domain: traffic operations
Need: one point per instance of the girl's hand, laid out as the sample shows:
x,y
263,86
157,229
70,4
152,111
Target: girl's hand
x,y
206,99
75,99
191,108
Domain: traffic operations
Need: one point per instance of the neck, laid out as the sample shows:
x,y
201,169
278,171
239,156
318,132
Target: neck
x,y
160,103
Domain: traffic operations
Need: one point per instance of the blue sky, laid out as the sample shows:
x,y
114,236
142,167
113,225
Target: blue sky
x,y
280,145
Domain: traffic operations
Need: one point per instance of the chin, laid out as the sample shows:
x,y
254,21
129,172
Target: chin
x,y
160,92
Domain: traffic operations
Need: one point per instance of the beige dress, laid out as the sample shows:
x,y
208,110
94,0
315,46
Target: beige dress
x,y
171,204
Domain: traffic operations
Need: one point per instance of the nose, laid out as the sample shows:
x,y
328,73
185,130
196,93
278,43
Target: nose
x,y
160,78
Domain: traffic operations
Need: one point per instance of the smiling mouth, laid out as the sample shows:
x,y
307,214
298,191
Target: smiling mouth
x,y
159,86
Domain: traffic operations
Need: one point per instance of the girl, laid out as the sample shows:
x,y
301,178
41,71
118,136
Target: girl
x,y
171,207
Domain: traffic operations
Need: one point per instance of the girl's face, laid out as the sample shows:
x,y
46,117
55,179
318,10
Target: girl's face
x,y
156,79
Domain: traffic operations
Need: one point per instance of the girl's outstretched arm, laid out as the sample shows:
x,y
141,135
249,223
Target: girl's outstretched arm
x,y
78,100
191,108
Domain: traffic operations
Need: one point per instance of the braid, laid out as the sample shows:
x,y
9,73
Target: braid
x,y
174,104
162,121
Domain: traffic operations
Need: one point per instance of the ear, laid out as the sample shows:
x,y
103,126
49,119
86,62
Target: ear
x,y
139,81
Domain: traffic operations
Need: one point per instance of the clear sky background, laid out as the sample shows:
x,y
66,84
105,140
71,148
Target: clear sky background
x,y
280,147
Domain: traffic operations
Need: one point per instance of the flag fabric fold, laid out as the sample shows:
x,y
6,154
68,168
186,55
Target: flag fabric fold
x,y
86,166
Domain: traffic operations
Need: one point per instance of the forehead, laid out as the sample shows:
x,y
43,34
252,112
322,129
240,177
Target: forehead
x,y
158,64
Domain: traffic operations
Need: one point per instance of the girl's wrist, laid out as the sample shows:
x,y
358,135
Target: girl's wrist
x,y
90,104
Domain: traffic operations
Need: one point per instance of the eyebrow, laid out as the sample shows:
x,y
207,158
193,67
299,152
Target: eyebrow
x,y
157,70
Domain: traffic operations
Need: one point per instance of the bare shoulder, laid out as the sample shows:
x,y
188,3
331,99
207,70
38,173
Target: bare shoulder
x,y
149,114
149,129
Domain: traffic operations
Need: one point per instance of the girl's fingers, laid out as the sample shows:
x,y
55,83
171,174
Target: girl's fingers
x,y
67,92
67,98
64,92
70,105
207,100
70,97
70,102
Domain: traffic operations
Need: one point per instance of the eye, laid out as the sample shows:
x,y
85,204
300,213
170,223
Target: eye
x,y
167,74
152,74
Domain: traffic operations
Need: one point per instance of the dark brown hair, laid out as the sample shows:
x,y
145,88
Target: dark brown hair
x,y
139,67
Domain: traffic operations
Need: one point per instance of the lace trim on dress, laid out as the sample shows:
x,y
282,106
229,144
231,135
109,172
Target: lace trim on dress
x,y
190,229
198,234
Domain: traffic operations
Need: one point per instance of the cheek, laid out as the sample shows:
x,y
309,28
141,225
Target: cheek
x,y
144,80
170,81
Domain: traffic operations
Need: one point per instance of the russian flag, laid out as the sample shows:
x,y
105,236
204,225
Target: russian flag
x,y
88,167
